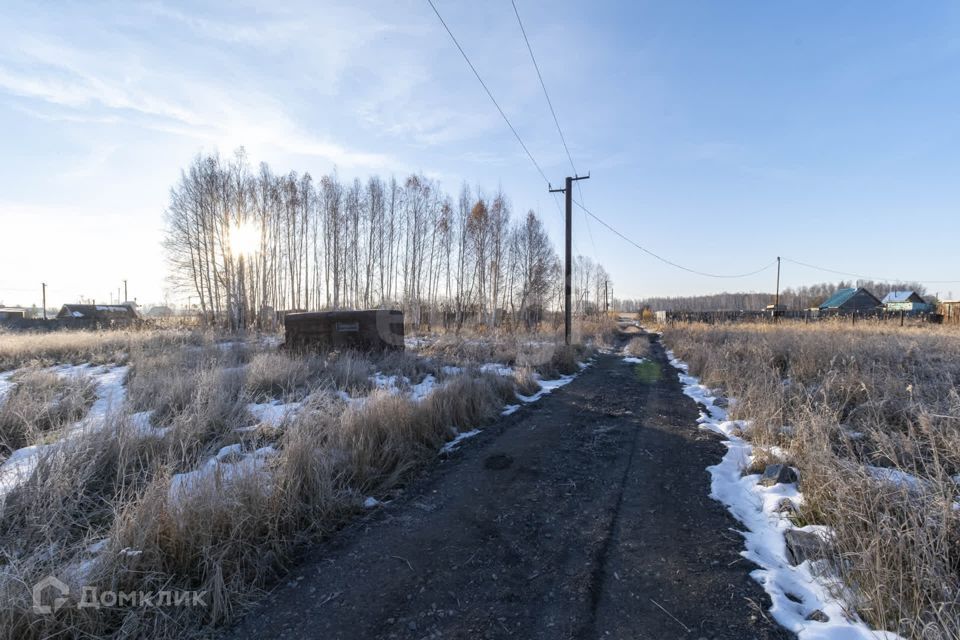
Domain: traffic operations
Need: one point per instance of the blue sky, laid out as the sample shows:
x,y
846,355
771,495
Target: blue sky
x,y
718,134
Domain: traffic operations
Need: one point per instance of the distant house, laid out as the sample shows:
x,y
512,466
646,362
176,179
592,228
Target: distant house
x,y
849,300
905,301
12,313
98,311
161,311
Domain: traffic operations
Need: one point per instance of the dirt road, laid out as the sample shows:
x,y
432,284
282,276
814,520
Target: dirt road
x,y
585,515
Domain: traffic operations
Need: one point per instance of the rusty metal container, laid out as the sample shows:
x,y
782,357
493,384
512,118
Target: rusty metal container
x,y
365,330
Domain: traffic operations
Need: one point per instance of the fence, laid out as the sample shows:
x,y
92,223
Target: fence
x,y
876,316
60,324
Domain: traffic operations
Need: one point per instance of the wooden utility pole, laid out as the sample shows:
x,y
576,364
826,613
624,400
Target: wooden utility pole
x,y
606,303
125,298
776,300
44,300
568,250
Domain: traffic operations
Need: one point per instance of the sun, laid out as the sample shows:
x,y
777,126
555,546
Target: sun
x,y
244,238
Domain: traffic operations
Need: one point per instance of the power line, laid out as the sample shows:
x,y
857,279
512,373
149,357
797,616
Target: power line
x,y
669,262
556,121
563,139
489,94
546,94
863,277
495,103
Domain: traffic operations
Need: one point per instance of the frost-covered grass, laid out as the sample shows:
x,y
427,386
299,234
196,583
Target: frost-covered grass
x,y
188,462
85,347
39,401
870,417
544,352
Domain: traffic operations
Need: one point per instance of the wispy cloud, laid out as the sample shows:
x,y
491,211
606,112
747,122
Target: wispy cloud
x,y
59,81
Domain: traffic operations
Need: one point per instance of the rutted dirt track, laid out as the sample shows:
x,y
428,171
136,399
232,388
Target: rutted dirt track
x,y
585,515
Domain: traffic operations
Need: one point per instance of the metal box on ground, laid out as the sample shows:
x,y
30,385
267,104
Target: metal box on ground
x,y
365,330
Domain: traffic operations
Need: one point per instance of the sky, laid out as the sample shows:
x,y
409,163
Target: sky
x,y
718,135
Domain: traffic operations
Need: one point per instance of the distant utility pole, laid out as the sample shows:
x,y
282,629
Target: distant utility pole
x,y
776,300
44,300
125,298
606,303
567,267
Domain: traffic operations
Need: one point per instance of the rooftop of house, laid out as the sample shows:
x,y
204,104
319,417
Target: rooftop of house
x,y
902,296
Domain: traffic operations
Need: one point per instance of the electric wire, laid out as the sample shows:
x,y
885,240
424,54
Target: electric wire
x,y
670,262
489,94
863,277
556,120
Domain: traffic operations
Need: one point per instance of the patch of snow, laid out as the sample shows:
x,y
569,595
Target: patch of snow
x,y
633,360
510,409
271,342
271,414
453,444
496,368
451,370
141,426
424,388
5,384
896,477
98,546
387,383
414,342
110,396
371,503
546,386
218,472
757,508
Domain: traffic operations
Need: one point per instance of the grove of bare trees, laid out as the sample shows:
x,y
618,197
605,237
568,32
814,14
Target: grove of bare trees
x,y
244,244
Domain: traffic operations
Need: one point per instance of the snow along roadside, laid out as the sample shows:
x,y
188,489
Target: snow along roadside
x,y
755,506
110,397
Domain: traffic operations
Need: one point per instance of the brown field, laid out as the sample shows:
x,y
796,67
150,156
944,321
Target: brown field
x,y
119,508
870,416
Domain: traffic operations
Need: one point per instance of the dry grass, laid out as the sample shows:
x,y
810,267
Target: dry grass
x,y
18,349
851,405
227,532
39,402
638,347
276,375
525,378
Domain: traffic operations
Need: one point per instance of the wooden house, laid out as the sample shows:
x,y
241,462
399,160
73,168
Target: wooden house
x,y
160,311
98,311
909,301
850,301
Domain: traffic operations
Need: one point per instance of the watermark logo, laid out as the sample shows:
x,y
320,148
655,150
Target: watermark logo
x,y
51,594
51,585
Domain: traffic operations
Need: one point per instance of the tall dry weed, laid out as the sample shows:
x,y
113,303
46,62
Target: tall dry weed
x,y
871,417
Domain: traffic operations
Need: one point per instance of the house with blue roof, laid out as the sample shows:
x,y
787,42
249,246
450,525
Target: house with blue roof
x,y
909,301
850,300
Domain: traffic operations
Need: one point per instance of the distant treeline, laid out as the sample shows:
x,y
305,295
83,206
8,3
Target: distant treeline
x,y
791,297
